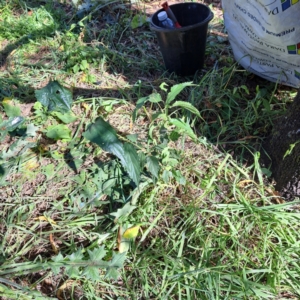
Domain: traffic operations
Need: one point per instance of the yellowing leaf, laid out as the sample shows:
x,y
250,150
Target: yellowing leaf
x,y
7,100
83,78
85,106
132,232
31,164
245,182
46,219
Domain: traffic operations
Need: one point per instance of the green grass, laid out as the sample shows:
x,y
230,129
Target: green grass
x,y
210,224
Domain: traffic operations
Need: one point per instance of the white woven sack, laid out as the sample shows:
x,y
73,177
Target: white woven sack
x,y
265,37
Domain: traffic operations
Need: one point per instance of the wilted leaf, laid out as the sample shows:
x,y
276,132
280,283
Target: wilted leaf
x,y
31,130
53,244
17,148
132,232
11,124
55,97
58,132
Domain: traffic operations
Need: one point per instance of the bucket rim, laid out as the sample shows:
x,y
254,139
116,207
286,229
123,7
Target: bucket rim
x,y
185,28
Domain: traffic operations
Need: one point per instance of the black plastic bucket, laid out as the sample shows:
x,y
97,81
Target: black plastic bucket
x,y
183,49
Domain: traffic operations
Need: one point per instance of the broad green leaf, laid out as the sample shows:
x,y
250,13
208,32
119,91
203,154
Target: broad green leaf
x,y
84,65
49,170
58,132
55,97
67,117
132,232
188,106
76,68
126,210
116,263
132,163
184,127
132,137
153,165
175,90
104,135
10,109
179,177
166,176
138,21
155,98
174,135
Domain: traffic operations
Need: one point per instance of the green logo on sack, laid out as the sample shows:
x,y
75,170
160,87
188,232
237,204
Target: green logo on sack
x,y
294,49
285,4
297,74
